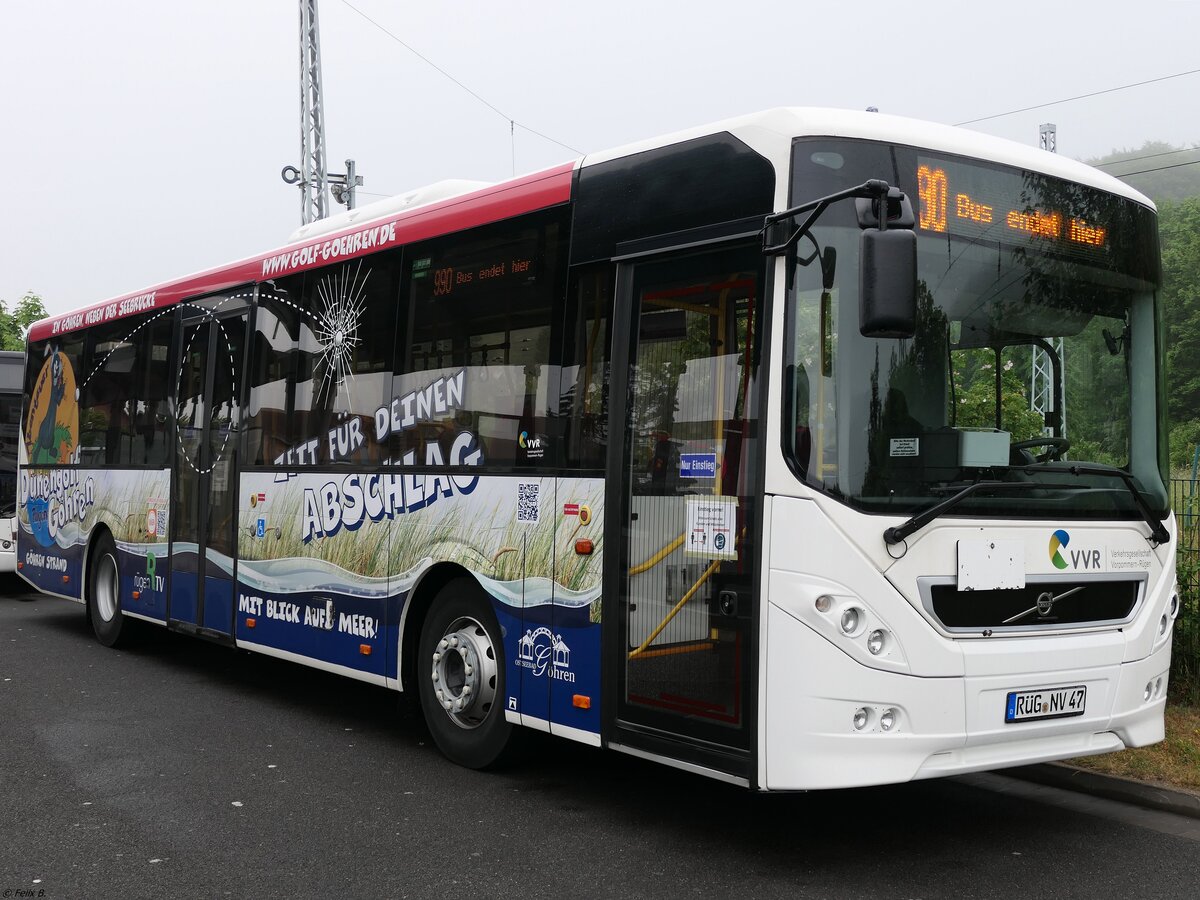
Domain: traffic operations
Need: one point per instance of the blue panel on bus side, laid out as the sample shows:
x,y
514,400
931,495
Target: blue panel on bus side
x,y
46,566
325,626
146,574
218,604
183,596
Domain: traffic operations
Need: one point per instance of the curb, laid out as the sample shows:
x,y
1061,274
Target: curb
x,y
1111,787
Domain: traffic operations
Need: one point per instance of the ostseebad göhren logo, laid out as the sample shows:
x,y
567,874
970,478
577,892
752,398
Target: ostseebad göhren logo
x,y
545,653
1058,541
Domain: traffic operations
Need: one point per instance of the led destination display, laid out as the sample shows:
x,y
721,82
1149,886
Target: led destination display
x,y
975,202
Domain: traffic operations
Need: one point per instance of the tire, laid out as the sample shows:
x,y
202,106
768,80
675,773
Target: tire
x,y
104,594
460,676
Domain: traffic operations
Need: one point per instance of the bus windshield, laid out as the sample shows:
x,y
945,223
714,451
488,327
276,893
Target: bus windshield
x,y
1037,344
11,372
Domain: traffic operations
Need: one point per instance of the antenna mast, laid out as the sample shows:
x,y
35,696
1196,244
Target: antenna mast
x,y
314,203
312,176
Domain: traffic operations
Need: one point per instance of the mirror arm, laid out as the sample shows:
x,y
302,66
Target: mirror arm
x,y
874,189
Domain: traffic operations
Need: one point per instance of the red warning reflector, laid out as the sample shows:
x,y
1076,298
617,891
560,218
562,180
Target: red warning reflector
x,y
581,701
364,649
136,594
20,565
250,623
584,547
66,578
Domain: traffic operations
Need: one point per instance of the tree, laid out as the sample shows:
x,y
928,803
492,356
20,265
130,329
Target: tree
x,y
13,325
1179,228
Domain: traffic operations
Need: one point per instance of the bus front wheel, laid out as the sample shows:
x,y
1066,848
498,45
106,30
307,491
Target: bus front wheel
x,y
104,594
460,676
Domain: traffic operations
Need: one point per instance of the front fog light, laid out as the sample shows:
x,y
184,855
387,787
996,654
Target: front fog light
x,y
1163,624
876,641
1149,690
1174,605
824,603
1158,688
851,618
860,719
887,721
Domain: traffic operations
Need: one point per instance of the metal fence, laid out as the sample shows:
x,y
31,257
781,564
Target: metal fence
x,y
1185,654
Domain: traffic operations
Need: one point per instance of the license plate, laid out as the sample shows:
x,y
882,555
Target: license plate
x,y
1046,703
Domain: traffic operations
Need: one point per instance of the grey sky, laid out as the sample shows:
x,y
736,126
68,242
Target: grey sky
x,y
143,140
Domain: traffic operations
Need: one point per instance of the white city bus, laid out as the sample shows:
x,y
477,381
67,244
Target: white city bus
x,y
12,370
804,450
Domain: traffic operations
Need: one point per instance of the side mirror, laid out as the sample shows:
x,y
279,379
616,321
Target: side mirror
x,y
887,288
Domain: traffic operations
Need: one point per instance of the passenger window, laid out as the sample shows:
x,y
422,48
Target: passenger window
x,y
478,382
321,364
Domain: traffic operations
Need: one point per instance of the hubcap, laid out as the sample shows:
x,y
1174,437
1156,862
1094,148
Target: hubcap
x,y
464,672
107,587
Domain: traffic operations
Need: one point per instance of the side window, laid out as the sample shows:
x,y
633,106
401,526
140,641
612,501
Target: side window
x,y
123,393
151,440
587,339
321,364
477,382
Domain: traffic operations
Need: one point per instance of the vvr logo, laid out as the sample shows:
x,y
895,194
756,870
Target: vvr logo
x,y
1058,541
1088,558
528,443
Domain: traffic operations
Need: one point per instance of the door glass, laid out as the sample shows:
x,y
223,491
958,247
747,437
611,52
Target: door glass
x,y
189,462
223,426
690,563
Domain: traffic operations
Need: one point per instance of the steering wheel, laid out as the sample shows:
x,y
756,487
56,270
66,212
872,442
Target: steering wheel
x,y
1057,447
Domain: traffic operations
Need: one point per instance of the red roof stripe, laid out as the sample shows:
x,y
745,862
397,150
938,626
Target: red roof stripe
x,y
491,204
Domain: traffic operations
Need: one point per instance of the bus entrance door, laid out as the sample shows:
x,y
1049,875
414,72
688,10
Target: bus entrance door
x,y
685,581
204,472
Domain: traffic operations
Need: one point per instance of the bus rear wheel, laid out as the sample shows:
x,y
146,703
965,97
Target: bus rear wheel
x,y
460,676
104,594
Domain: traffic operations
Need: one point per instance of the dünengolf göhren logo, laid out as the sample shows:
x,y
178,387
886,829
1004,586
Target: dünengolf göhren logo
x,y
1058,540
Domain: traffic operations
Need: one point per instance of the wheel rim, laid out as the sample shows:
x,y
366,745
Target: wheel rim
x,y
107,587
464,672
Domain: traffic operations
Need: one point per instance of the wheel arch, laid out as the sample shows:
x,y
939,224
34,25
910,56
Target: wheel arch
x,y
417,607
99,530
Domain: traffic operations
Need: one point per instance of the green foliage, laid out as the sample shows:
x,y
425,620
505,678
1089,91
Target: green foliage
x,y
1179,230
1167,184
13,325
975,392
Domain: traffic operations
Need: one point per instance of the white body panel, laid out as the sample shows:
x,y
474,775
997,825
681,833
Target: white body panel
x,y
8,544
949,690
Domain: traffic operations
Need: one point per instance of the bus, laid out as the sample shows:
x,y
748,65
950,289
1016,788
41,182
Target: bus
x,y
12,376
808,449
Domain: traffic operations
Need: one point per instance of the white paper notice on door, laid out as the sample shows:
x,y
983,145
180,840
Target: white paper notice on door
x,y
711,527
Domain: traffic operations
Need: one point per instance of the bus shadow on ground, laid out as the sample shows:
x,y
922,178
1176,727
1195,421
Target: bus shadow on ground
x,y
609,786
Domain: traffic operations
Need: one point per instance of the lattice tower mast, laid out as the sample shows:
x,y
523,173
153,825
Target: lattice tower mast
x,y
313,198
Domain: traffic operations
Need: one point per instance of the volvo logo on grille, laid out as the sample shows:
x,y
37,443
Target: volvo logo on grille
x,y
1044,605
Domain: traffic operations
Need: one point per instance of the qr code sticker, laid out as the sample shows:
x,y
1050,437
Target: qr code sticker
x,y
527,501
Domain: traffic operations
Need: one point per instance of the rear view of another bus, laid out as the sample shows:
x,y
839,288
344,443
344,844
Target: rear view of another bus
x,y
12,367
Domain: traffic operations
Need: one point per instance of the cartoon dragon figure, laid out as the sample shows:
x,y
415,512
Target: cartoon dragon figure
x,y
45,447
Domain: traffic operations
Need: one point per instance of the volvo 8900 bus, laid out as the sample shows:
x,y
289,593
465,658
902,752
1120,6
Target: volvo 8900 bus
x,y
12,368
808,449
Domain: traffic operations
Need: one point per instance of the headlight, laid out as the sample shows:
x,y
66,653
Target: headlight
x,y
876,641
851,619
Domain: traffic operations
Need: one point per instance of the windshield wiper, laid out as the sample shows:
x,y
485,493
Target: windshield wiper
x,y
1158,532
897,533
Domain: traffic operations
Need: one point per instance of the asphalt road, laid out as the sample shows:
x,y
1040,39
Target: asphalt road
x,y
183,769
